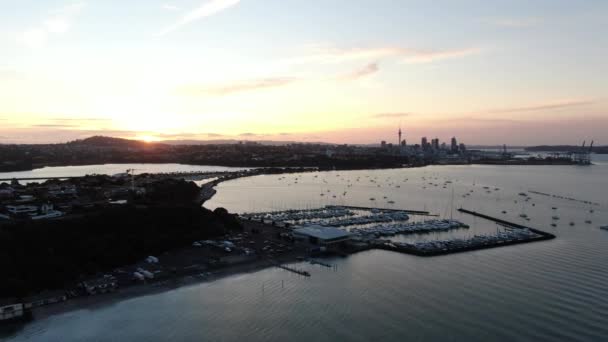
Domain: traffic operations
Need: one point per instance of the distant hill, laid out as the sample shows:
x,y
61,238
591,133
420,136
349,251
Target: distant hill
x,y
101,141
234,141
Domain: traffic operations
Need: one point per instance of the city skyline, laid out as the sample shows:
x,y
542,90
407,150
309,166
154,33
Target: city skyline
x,y
343,72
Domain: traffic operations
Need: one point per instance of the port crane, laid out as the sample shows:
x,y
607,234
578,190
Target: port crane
x,y
583,156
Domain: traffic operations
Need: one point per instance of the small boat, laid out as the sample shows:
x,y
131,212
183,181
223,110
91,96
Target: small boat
x,y
604,227
391,202
572,223
588,221
372,199
523,215
553,225
555,217
504,211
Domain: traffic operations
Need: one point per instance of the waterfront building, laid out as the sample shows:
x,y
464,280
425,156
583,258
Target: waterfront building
x,y
321,236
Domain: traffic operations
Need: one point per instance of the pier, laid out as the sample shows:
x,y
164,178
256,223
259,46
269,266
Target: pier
x,y
318,262
294,270
507,223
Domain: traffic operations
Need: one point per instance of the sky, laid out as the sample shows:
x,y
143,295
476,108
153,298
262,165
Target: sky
x,y
343,71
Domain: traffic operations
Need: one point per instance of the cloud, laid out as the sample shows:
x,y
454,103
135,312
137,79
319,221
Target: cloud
x,y
329,54
545,106
54,126
429,56
390,115
367,70
80,119
214,135
59,22
237,87
249,135
514,22
207,9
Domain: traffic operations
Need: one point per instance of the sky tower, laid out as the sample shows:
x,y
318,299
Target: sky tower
x,y
399,141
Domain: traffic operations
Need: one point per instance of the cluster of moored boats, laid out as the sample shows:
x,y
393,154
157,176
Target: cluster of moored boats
x,y
409,228
331,216
507,236
379,217
296,215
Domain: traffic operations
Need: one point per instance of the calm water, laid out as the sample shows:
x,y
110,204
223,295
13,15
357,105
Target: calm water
x,y
110,169
551,291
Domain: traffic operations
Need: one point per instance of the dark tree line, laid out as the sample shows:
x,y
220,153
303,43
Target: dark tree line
x,y
36,256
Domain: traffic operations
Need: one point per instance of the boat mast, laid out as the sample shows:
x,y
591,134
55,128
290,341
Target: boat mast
x,y
452,204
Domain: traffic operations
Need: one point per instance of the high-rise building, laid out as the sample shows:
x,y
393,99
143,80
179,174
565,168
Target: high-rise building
x,y
462,147
424,143
454,145
383,144
435,143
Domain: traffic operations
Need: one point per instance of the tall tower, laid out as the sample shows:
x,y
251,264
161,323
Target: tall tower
x,y
399,141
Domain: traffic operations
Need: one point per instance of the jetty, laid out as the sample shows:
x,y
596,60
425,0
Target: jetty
x,y
546,235
293,270
319,262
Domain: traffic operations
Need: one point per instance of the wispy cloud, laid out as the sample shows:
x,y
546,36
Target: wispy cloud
x,y
543,106
214,135
58,22
207,9
367,70
514,22
54,126
329,55
429,56
83,119
236,87
390,115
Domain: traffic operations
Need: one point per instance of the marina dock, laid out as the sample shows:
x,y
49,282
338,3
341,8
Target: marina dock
x,y
412,212
521,234
546,235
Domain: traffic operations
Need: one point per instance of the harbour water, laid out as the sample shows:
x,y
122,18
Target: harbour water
x,y
111,169
554,290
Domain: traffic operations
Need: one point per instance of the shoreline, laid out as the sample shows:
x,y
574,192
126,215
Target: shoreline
x,y
141,290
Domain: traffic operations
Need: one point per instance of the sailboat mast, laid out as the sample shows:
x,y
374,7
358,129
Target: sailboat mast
x,y
452,204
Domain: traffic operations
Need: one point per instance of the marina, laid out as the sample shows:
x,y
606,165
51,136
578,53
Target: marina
x,y
442,247
409,228
390,261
